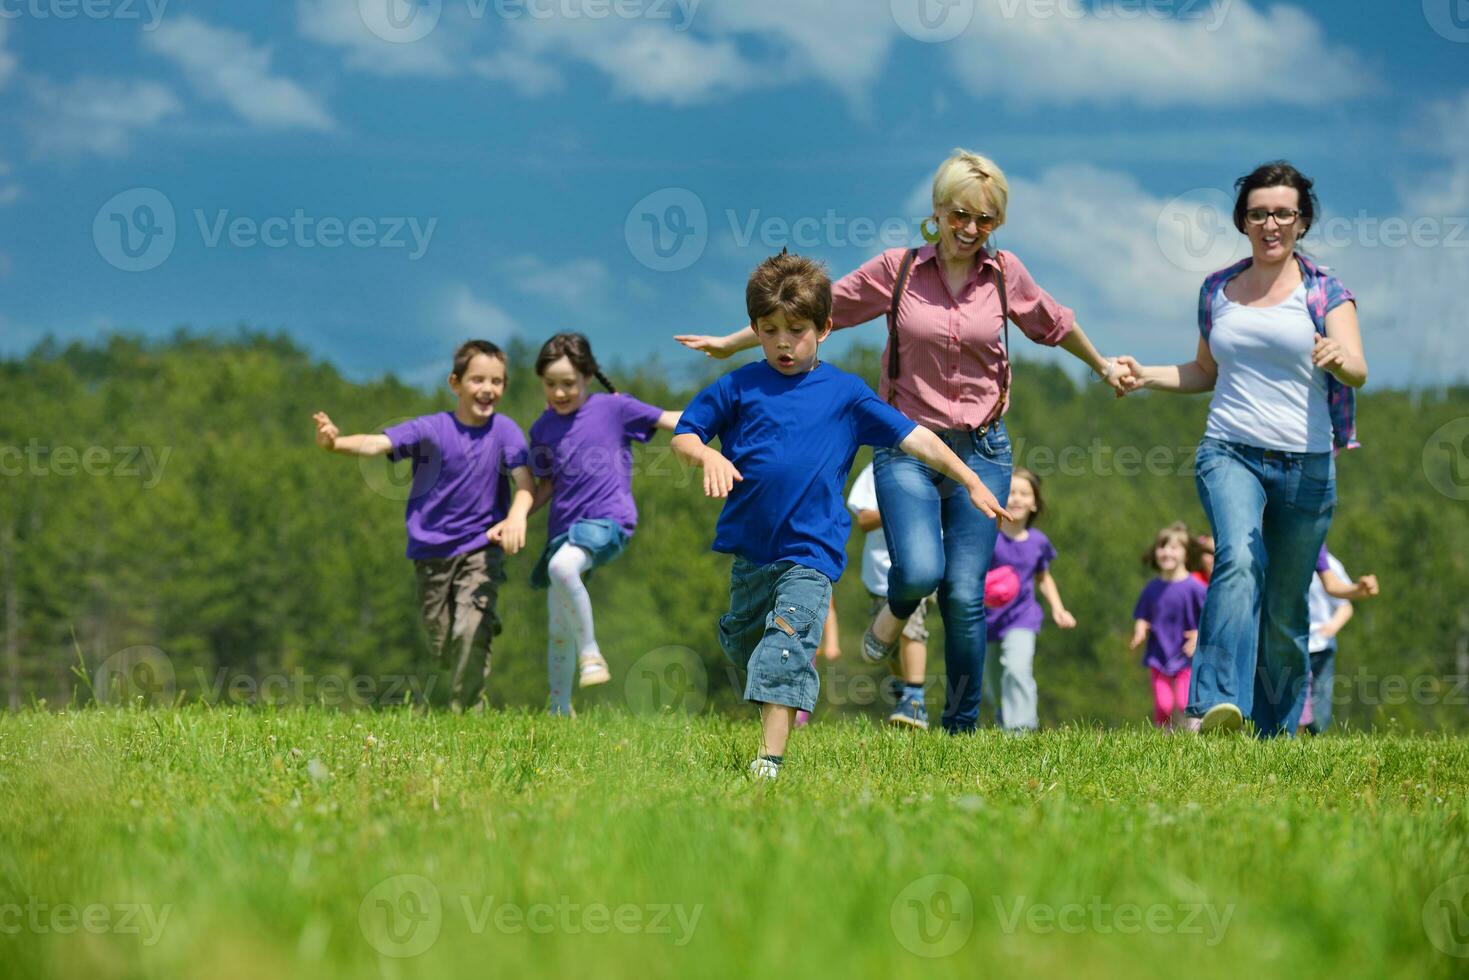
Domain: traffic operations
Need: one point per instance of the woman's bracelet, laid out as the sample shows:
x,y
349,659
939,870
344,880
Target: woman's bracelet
x,y
1106,376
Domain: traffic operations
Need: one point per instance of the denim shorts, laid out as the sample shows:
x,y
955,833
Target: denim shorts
x,y
773,628
598,537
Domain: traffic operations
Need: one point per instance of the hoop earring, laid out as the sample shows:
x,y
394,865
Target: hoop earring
x,y
929,236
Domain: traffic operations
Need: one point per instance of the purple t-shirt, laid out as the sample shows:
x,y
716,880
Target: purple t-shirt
x,y
1172,608
459,479
1029,558
588,456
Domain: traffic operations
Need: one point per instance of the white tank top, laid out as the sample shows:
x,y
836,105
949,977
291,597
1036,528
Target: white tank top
x,y
1268,393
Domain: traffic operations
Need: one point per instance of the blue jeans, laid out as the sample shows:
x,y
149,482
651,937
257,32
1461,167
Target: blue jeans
x,y
937,539
773,628
1270,511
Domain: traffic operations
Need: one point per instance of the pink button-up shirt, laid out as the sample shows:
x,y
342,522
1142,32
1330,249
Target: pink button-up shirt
x,y
952,360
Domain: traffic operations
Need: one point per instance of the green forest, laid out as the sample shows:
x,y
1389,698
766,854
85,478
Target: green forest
x,y
169,531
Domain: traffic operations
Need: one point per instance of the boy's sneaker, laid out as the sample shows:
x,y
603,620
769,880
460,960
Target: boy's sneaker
x,y
874,651
910,712
764,769
1222,718
592,671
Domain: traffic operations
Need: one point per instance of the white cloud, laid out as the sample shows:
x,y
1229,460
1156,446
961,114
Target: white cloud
x,y
224,66
1445,192
521,71
573,282
477,317
1228,54
95,115
341,24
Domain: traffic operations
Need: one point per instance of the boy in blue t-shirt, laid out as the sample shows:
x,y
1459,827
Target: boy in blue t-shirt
x,y
789,427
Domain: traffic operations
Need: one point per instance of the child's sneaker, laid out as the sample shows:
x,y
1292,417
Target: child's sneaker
x,y
592,671
764,769
910,712
874,651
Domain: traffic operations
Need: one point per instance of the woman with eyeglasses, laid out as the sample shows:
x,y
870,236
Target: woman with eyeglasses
x,y
946,366
1281,351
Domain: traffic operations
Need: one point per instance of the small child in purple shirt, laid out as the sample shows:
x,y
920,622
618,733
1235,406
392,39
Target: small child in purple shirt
x,y
1167,620
581,455
1009,675
460,516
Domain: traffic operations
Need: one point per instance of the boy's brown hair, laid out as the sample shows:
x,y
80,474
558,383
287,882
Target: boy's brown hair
x,y
470,349
1177,531
793,284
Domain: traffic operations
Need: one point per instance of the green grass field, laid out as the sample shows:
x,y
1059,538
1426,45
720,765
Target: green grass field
x,y
309,843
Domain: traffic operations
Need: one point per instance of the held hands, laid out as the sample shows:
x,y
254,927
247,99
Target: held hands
x,y
326,431
712,346
720,474
1119,374
508,534
1130,376
1063,619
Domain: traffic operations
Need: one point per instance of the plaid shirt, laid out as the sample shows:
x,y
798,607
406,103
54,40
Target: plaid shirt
x,y
1324,293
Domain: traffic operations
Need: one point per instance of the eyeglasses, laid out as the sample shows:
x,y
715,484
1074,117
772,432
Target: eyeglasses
x,y
1282,216
959,218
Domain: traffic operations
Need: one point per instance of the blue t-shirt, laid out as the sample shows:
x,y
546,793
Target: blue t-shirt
x,y
793,439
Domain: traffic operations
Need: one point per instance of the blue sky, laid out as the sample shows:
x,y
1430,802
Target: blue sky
x,y
381,179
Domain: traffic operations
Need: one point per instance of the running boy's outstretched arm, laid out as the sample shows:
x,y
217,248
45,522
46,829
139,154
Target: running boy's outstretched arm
x,y
510,533
923,444
720,474
328,437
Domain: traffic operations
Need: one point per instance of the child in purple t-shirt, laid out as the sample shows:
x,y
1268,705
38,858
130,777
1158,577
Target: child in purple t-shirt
x,y
581,455
1009,676
461,520
1167,620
